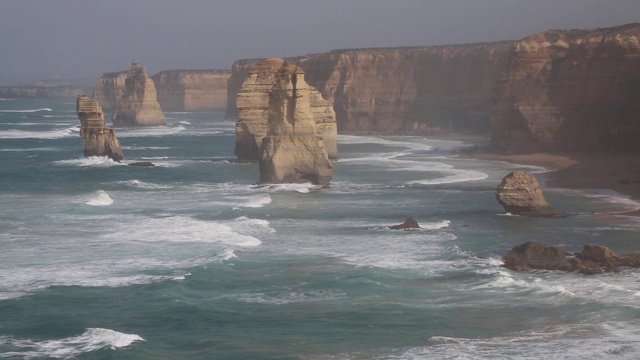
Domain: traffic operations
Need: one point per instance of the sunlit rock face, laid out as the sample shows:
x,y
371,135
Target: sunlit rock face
x,y
412,90
192,90
252,102
571,90
292,151
520,194
97,139
138,104
109,89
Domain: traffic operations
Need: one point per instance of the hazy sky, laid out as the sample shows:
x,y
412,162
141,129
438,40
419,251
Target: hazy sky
x,y
84,38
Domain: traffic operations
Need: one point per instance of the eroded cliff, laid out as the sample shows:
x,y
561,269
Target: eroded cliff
x,y
292,151
109,89
252,103
192,90
97,139
570,90
138,104
412,90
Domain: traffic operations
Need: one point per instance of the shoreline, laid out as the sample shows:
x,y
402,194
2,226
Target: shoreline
x,y
584,171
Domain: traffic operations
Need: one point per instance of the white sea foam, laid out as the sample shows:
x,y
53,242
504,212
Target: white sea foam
x,y
145,148
91,161
50,134
149,132
91,340
29,149
301,188
453,177
290,297
26,111
143,185
256,201
100,198
184,122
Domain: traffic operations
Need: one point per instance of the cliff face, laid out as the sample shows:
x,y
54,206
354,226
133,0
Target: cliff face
x,y
192,90
416,90
9,92
570,91
292,151
97,139
138,104
239,73
252,103
109,89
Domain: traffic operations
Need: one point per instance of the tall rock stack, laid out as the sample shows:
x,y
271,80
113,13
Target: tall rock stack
x,y
252,102
138,105
109,89
292,151
97,139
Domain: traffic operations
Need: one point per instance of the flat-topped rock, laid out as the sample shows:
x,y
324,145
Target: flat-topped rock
x,y
97,139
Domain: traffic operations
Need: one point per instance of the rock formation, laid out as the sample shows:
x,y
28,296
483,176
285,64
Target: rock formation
x,y
49,92
571,90
409,223
593,259
192,90
520,194
138,104
97,139
292,151
109,90
253,106
412,90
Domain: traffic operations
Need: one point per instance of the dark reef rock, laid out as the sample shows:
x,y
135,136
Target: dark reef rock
x,y
409,223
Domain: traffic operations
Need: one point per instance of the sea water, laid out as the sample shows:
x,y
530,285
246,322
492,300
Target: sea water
x,y
191,260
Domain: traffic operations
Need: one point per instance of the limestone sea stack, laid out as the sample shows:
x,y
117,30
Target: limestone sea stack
x,y
292,151
109,89
97,139
138,104
252,102
520,194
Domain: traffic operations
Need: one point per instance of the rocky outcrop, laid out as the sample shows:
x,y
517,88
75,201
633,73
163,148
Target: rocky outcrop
x,y
570,90
409,223
97,139
239,73
138,104
412,90
520,194
252,102
594,259
192,90
11,92
292,151
109,90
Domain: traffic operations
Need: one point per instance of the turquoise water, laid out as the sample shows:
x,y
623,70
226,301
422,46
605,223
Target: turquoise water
x,y
191,260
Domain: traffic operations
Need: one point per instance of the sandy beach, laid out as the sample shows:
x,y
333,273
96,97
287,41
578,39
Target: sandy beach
x,y
618,172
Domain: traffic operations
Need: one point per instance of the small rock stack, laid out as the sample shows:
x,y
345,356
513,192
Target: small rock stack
x,y
97,139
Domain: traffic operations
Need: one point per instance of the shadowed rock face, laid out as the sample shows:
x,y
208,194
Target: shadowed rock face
x,y
292,151
409,223
594,259
520,194
97,139
109,89
138,104
573,90
252,102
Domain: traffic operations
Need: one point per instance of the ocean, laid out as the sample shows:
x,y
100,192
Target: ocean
x,y
191,260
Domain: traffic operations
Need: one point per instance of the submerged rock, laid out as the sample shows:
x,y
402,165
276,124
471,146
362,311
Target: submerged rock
x,y
520,194
97,139
138,104
142,164
409,223
292,151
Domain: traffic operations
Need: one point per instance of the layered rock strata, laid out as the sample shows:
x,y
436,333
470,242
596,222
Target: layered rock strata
x,y
292,151
97,139
109,89
520,194
252,102
192,90
593,259
138,104
412,90
570,90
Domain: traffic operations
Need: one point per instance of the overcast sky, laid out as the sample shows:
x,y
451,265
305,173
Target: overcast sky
x,y
42,39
